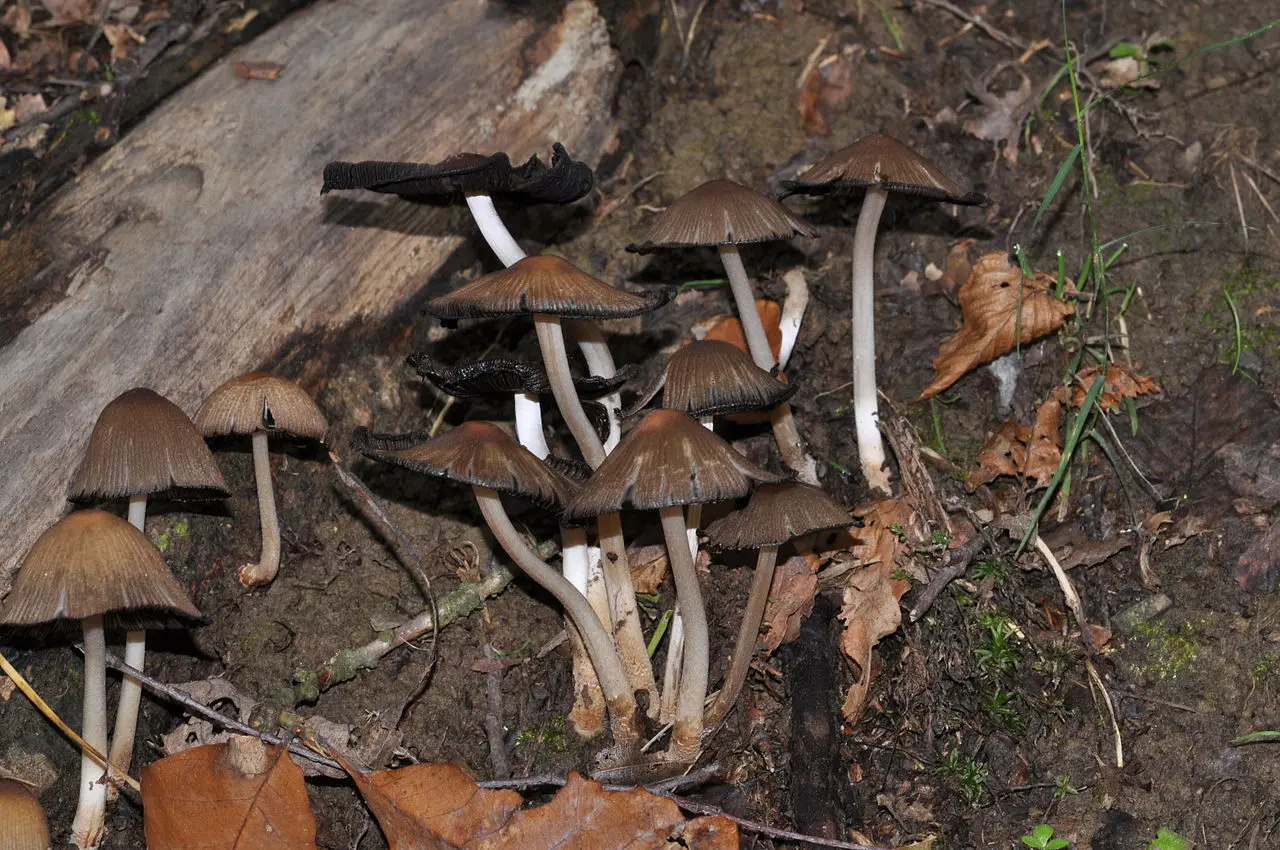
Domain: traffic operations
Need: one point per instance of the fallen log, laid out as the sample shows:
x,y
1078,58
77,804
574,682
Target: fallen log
x,y
199,247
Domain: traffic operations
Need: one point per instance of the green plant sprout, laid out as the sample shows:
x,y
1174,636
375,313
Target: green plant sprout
x,y
659,631
1167,839
1063,789
1041,838
998,655
969,776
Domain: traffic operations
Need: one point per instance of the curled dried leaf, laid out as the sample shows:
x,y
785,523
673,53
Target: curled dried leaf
x,y
1120,383
1031,452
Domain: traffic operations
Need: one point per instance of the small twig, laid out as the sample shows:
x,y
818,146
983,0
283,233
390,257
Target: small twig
x,y
1179,706
768,831
954,564
1244,222
61,109
493,727
1259,167
556,780
1003,38
1096,681
214,717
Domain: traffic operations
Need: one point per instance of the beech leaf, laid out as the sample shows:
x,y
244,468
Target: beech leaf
x,y
795,584
1032,452
996,301
1121,383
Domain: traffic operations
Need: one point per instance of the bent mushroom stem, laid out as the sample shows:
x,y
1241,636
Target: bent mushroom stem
x,y
253,575
686,737
135,655
613,681
744,648
675,642
627,634
865,404
595,350
556,360
493,230
88,826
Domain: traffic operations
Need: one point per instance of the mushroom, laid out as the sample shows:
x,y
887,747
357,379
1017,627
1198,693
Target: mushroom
x,y
478,179
257,403
551,289
726,215
142,445
483,455
22,821
89,565
776,513
666,462
880,165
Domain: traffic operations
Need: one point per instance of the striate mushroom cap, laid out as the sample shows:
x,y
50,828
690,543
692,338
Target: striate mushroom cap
x,y
564,181
257,401
667,459
546,285
22,822
882,162
142,444
476,453
778,513
92,563
712,378
720,212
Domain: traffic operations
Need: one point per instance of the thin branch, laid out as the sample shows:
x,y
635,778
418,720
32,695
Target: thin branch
x,y
768,831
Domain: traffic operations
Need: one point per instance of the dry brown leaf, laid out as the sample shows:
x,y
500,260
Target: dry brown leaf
x,y
995,301
1002,116
872,594
6,61
69,12
1123,71
1121,383
826,92
438,807
955,271
649,567
795,583
1032,452
256,70
123,40
729,329
202,798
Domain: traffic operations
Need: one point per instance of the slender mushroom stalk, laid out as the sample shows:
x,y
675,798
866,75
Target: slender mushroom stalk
x,y
595,350
135,655
529,430
613,680
90,820
268,564
866,418
493,230
556,359
686,736
744,647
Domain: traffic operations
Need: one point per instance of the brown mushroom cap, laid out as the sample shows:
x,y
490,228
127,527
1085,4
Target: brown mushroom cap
x,y
720,212
476,453
668,459
257,401
91,563
712,378
777,513
22,821
546,285
142,444
882,162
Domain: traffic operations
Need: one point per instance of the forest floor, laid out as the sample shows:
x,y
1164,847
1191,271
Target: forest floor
x,y
981,722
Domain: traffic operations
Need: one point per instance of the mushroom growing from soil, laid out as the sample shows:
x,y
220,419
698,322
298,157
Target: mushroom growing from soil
x,y
666,462
776,514
880,165
723,214
257,403
142,445
86,567
482,455
22,822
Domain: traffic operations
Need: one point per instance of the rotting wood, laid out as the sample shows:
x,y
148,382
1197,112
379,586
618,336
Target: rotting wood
x,y
199,247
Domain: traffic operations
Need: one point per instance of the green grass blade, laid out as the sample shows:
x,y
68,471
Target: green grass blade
x,y
1056,185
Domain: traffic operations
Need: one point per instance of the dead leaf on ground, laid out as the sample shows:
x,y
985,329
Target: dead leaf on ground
x,y
955,270
1001,117
872,594
649,566
1121,383
826,92
123,39
69,12
729,329
996,302
1122,71
795,583
6,61
256,70
17,17
438,807
206,798
1258,569
1031,452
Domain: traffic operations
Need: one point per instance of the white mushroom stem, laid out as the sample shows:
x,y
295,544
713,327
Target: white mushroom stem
x,y
686,736
135,655
865,403
493,230
529,430
89,824
617,690
595,350
744,648
556,361
253,575
793,307
784,426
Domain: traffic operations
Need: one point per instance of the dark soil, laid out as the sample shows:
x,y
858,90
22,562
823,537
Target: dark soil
x,y
952,745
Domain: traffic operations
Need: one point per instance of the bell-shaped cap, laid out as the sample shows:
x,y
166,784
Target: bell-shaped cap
x,y
546,285
720,212
777,513
564,181
144,444
477,453
257,401
882,162
22,822
667,459
92,563
714,378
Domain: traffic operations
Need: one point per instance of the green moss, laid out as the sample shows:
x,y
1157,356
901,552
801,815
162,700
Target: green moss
x,y
178,531
1169,653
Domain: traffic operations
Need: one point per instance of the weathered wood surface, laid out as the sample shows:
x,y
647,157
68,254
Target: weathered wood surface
x,y
194,248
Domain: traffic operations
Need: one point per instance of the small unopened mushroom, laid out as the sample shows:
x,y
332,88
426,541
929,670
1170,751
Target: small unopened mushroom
x,y
257,403
22,822
89,565
880,165
776,514
666,462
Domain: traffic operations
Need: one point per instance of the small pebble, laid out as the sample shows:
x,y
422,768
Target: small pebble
x,y
1142,611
